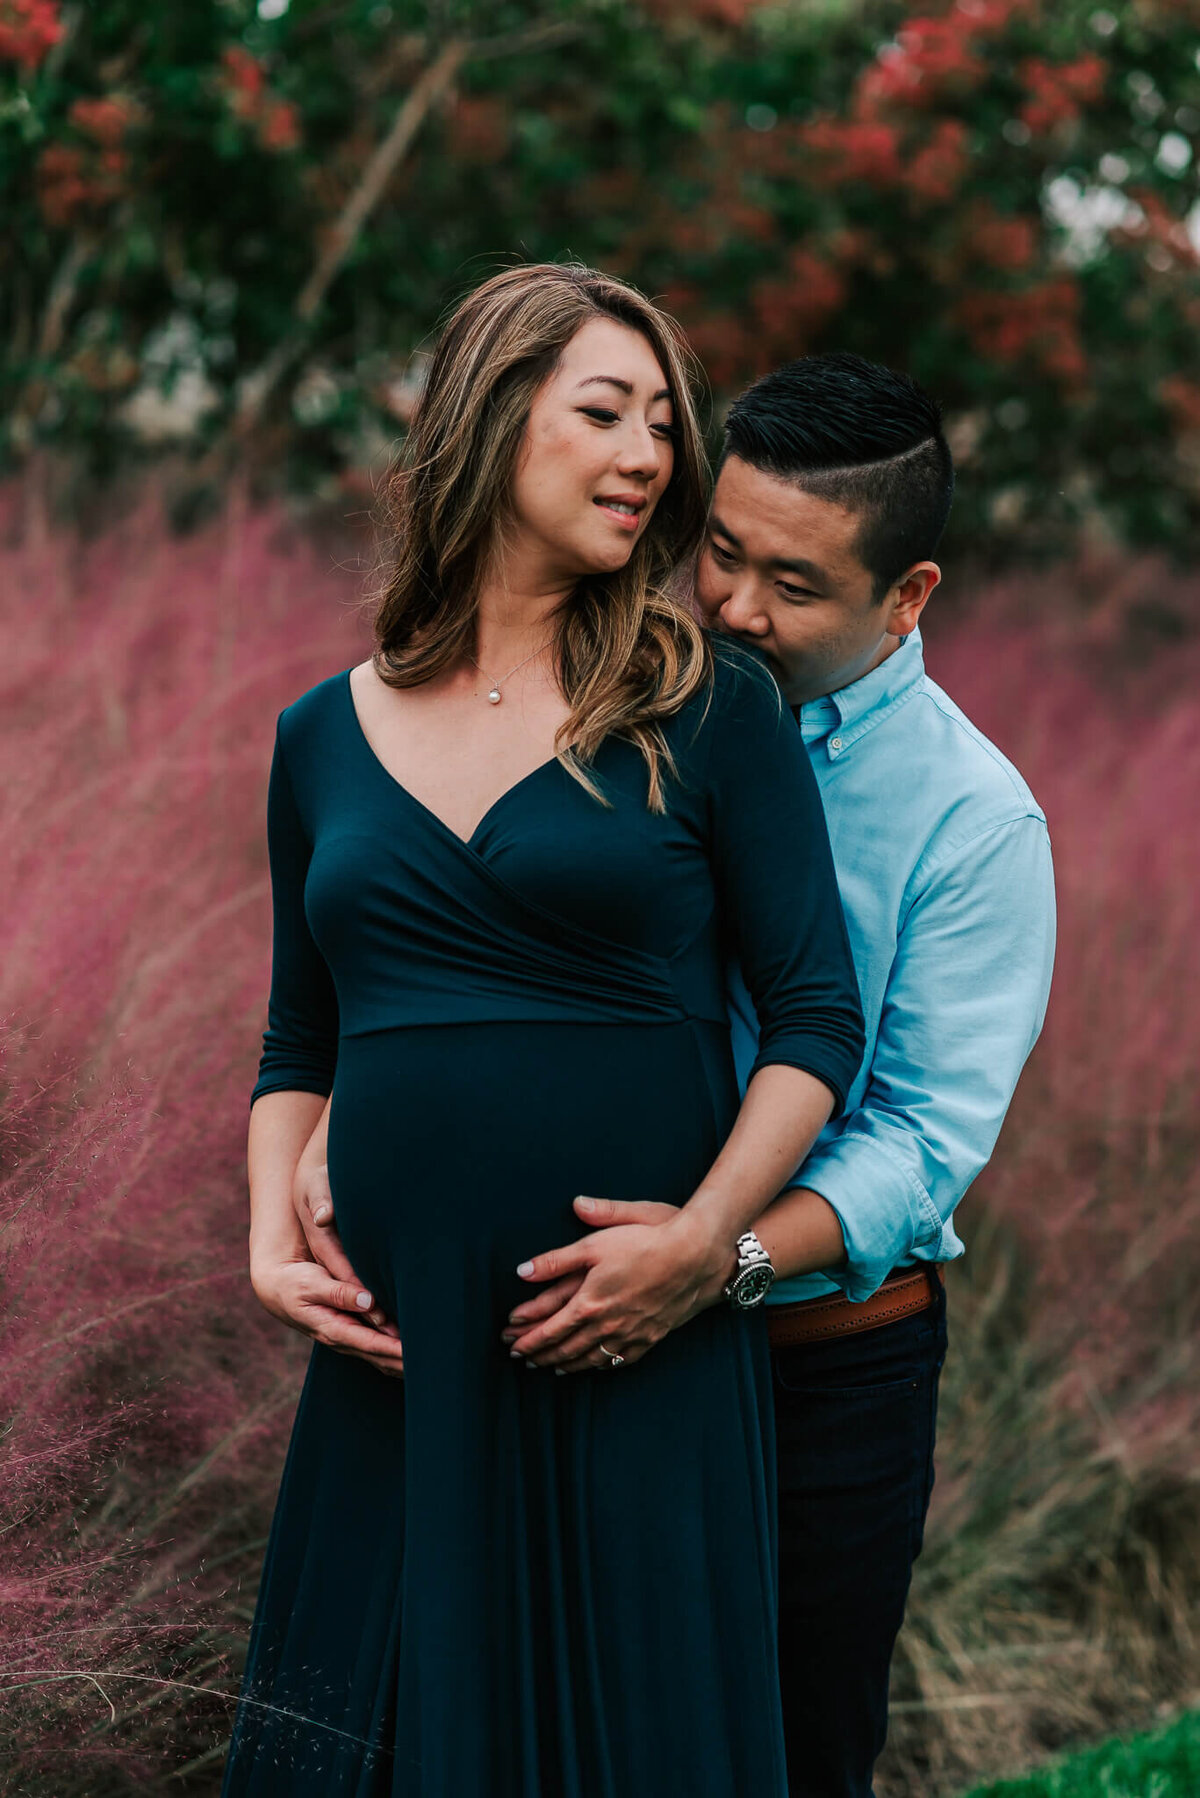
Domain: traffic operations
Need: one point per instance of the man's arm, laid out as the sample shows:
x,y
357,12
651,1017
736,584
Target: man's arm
x,y
964,1005
638,1284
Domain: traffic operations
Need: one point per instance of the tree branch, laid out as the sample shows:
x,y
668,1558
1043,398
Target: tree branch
x,y
432,84
536,37
51,332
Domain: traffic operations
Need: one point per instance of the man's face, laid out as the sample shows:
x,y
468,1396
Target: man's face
x,y
780,568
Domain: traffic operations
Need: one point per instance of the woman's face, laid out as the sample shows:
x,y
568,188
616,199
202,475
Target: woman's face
x,y
597,453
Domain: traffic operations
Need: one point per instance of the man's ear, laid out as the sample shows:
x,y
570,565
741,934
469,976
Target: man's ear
x,y
906,601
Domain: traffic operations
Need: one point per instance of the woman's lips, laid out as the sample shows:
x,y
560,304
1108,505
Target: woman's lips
x,y
628,520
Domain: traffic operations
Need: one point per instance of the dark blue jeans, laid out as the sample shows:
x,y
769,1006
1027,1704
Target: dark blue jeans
x,y
855,1420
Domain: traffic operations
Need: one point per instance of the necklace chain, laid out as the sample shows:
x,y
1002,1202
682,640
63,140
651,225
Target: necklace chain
x,y
495,695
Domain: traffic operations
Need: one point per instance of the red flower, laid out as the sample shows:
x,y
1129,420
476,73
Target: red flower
x,y
1181,397
1039,325
245,81
28,29
792,309
724,345
105,120
72,182
937,169
276,122
279,126
852,151
1000,240
1057,91
931,56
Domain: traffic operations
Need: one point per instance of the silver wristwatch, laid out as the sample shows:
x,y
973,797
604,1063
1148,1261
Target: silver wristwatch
x,y
753,1277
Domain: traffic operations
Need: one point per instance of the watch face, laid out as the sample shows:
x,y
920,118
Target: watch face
x,y
753,1286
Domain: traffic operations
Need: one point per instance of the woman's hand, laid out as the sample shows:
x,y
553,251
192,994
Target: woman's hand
x,y
312,1200
625,1287
335,1313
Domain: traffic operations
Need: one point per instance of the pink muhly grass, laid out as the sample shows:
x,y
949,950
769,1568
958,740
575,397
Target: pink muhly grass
x,y
1056,1597
1098,1165
145,1393
147,1397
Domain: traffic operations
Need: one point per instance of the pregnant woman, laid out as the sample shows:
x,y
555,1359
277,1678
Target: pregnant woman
x,y
509,856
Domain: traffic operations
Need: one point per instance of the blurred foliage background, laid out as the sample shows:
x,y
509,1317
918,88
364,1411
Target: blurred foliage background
x,y
231,229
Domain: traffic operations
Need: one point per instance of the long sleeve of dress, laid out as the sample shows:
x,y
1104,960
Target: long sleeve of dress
x,y
775,875
300,1045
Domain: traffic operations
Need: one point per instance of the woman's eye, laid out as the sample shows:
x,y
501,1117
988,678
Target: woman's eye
x,y
668,433
600,413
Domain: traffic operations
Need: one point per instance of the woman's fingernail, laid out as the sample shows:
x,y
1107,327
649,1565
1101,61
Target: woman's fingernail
x,y
320,1214
513,1355
560,1370
525,1269
586,1204
532,1365
364,1301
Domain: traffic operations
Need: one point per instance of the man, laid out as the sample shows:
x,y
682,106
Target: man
x,y
833,490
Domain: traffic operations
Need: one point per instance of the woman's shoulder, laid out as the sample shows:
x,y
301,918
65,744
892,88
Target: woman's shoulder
x,y
742,695
315,713
738,716
742,675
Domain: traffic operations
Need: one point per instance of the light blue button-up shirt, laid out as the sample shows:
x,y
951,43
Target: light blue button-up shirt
x,y
943,862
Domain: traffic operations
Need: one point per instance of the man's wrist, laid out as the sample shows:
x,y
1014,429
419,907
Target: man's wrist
x,y
802,1233
753,1276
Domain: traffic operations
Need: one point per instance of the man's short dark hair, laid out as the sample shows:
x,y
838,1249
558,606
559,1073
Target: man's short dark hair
x,y
867,438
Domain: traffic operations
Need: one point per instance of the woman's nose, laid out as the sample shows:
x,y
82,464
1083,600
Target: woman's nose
x,y
641,455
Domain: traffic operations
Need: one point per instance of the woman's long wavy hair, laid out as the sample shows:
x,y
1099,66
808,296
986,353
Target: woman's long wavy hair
x,y
629,652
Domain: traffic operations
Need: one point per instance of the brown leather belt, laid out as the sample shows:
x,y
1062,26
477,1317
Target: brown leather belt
x,y
810,1320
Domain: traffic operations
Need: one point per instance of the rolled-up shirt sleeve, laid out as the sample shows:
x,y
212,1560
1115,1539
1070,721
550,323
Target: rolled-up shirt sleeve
x,y
963,1007
299,1051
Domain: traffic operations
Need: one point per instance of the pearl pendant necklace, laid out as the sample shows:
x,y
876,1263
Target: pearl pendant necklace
x,y
494,694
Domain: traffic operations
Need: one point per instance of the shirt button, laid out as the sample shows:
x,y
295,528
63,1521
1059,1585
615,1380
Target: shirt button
x,y
835,742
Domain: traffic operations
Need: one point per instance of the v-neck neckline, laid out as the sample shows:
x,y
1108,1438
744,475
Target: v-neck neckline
x,y
467,842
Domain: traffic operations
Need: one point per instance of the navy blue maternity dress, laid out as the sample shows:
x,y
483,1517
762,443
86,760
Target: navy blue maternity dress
x,y
485,1581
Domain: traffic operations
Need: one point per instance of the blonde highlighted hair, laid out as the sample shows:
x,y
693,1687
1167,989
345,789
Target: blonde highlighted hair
x,y
629,652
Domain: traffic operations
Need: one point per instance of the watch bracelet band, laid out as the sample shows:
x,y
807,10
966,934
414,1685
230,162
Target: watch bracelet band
x,y
750,1254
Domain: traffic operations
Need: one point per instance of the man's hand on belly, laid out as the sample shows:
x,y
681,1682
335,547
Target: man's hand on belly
x,y
643,1272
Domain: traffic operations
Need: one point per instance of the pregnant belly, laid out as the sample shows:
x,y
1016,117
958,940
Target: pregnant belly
x,y
455,1151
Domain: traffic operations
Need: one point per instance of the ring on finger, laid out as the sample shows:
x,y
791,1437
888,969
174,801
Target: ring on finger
x,y
613,1360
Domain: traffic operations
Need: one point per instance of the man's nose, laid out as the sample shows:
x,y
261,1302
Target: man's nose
x,y
741,613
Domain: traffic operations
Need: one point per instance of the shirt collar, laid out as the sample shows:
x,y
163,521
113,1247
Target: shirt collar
x,y
845,716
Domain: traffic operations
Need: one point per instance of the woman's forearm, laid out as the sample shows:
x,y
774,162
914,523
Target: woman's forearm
x,y
283,1126
783,1113
316,1149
